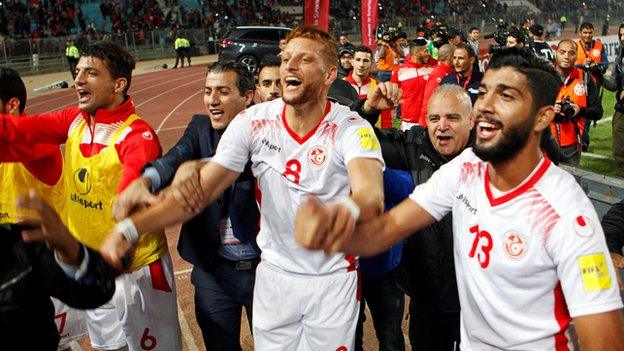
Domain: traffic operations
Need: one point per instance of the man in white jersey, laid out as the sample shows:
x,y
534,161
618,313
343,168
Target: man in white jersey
x,y
300,145
529,251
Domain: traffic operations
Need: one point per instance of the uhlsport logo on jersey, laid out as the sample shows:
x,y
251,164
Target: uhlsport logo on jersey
x,y
317,156
82,185
82,181
583,226
514,245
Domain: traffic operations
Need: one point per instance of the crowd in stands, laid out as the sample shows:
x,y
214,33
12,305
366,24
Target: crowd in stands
x,y
21,19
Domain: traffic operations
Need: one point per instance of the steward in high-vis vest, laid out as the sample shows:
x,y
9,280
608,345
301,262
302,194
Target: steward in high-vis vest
x,y
182,47
577,100
106,147
72,54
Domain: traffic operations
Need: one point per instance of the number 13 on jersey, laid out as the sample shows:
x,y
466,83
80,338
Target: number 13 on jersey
x,y
481,246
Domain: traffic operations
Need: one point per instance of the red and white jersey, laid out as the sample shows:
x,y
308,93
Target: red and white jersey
x,y
288,168
527,260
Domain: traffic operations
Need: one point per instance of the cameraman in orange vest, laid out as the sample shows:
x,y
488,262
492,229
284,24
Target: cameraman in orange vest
x,y
577,101
592,57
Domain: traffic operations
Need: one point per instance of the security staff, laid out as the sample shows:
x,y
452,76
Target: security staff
x,y
72,54
182,47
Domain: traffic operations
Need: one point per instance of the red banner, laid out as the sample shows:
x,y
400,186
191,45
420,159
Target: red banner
x,y
316,13
369,23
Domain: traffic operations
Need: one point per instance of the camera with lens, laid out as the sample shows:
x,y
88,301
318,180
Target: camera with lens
x,y
566,113
597,69
500,37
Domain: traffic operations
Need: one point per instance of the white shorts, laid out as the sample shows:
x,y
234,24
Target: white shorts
x,y
142,314
70,322
405,126
301,312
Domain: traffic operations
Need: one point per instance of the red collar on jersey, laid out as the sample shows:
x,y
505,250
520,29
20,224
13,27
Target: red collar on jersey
x,y
351,80
526,185
294,135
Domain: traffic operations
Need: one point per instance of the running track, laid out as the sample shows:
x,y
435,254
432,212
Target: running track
x,y
167,100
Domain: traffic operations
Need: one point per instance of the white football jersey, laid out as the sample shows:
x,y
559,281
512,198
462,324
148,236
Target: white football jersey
x,y
527,260
288,168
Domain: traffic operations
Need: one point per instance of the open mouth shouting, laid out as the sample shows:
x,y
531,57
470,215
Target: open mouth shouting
x,y
291,83
487,128
83,95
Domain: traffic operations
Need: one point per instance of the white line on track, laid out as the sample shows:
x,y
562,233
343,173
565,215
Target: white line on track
x,y
168,91
173,128
140,90
175,108
185,330
184,271
61,96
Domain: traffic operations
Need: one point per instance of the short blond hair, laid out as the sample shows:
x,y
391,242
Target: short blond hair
x,y
329,52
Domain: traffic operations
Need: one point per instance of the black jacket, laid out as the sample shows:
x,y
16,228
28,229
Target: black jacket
x,y
427,269
613,225
199,237
619,80
471,87
29,275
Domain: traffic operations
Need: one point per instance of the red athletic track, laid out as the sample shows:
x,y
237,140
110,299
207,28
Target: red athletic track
x,y
167,100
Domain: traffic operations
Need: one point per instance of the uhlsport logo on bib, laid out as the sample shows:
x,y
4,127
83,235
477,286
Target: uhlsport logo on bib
x,y
82,181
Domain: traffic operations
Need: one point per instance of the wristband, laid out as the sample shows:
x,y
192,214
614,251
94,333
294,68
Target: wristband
x,y
347,202
127,228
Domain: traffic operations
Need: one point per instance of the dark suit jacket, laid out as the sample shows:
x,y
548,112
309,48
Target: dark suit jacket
x,y
199,237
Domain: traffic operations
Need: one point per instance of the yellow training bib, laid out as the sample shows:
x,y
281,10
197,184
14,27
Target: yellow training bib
x,y
15,180
91,189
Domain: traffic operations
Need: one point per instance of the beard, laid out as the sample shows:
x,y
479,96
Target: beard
x,y
307,94
512,141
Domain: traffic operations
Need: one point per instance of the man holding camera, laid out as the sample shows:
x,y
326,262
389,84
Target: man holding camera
x,y
577,101
593,57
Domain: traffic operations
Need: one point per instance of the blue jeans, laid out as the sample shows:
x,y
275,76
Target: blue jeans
x,y
220,295
386,302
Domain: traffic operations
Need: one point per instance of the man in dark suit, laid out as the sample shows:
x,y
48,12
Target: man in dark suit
x,y
220,241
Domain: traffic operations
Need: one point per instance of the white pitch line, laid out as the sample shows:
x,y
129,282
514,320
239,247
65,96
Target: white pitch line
x,y
605,120
593,155
185,330
175,108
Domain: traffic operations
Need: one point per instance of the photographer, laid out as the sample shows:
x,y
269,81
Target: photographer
x,y
388,55
591,55
577,101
